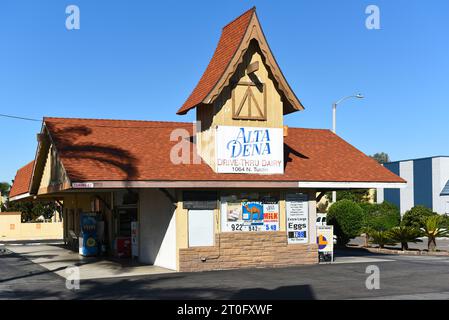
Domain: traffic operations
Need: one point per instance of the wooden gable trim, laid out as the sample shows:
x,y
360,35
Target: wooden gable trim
x,y
54,188
254,31
43,148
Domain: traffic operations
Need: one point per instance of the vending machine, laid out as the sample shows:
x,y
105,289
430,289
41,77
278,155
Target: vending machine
x,y
88,245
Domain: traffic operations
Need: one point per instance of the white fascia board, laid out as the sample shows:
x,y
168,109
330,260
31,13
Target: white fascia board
x,y
90,185
20,196
351,185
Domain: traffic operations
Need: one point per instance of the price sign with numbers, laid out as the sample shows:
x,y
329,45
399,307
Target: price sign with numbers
x,y
297,209
249,215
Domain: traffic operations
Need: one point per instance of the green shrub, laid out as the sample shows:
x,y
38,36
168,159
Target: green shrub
x,y
432,229
346,216
358,196
416,217
404,235
381,238
445,221
380,217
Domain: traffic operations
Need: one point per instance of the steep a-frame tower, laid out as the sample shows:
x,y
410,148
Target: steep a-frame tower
x,y
242,85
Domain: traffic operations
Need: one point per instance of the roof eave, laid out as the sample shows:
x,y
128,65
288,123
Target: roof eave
x,y
23,196
98,184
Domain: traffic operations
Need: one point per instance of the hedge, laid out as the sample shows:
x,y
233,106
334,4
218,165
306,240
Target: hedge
x,y
380,217
346,216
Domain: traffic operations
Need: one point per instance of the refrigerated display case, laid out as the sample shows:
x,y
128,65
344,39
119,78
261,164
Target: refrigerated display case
x,y
88,245
126,218
123,247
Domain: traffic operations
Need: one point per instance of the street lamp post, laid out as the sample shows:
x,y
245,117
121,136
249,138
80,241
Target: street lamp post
x,y
334,125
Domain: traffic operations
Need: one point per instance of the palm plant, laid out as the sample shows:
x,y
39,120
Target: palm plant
x,y
404,235
366,231
381,238
433,229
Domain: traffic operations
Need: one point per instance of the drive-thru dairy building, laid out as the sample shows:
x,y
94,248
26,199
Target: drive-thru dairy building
x,y
237,189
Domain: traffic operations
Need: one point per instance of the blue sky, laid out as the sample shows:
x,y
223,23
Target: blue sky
x,y
141,59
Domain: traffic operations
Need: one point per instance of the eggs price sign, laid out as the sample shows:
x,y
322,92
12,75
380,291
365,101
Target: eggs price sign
x,y
297,209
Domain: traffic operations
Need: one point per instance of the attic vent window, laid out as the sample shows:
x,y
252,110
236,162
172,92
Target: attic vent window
x,y
249,101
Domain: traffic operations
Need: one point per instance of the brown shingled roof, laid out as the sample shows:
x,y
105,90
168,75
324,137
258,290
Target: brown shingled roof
x,y
22,180
121,150
230,40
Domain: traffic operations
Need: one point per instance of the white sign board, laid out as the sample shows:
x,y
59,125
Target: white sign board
x,y
325,242
201,228
325,238
249,150
82,185
297,209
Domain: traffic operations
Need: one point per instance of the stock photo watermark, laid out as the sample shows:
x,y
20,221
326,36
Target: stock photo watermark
x,y
372,22
372,282
73,278
182,152
72,21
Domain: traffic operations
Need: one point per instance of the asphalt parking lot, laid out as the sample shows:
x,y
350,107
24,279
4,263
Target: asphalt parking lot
x,y
401,277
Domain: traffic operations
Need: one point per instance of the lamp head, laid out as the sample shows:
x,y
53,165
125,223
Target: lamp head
x,y
359,96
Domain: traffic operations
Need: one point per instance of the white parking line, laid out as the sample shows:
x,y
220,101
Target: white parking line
x,y
414,296
341,260
425,258
30,244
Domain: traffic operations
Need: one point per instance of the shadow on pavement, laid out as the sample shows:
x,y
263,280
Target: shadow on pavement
x,y
356,252
282,293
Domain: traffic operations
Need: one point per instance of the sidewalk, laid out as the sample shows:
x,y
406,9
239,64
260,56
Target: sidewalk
x,y
56,258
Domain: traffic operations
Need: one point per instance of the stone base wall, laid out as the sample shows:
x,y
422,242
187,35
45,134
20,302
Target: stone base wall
x,y
234,250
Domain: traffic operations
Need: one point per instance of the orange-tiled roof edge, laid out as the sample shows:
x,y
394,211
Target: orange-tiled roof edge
x,y
22,180
231,37
117,121
253,9
101,150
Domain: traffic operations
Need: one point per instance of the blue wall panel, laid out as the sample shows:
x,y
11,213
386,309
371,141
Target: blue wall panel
x,y
393,195
422,173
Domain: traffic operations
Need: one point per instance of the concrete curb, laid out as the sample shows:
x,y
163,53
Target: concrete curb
x,y
30,242
400,252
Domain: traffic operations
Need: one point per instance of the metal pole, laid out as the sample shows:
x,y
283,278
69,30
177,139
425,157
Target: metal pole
x,y
334,117
334,129
334,125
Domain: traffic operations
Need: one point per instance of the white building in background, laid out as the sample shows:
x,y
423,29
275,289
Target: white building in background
x,y
2,200
427,184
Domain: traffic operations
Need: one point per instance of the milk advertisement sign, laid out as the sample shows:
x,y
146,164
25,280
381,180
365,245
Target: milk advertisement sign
x,y
271,216
249,150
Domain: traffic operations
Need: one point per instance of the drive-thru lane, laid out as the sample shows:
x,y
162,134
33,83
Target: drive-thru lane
x,y
401,277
